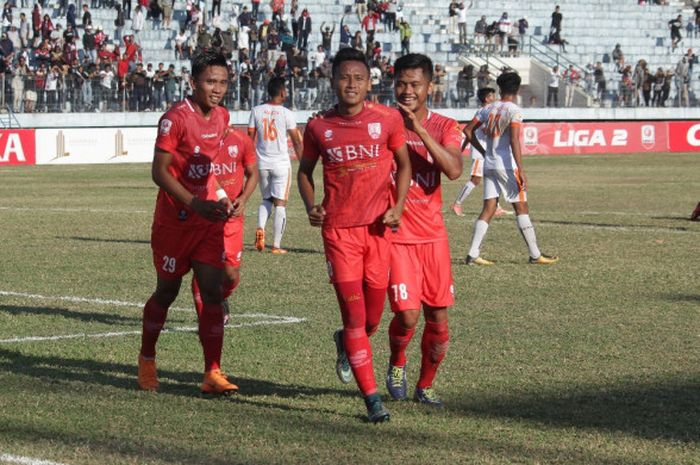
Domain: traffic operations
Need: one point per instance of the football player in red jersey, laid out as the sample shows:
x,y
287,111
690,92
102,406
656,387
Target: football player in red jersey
x,y
358,142
188,224
235,168
421,274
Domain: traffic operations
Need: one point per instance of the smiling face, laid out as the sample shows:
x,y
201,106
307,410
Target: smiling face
x,y
351,84
412,87
209,87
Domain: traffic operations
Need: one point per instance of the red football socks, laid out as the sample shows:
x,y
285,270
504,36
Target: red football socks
x,y
434,347
374,305
197,296
399,338
153,320
211,335
352,308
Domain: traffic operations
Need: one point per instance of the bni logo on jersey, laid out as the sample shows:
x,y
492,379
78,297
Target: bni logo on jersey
x,y
374,130
648,136
530,136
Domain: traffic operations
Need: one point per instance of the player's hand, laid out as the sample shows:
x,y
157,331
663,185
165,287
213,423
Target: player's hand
x,y
317,215
315,115
237,207
409,118
523,179
211,209
392,218
226,202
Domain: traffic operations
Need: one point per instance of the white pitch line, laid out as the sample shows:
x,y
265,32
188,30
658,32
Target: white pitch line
x,y
192,329
25,460
70,210
70,298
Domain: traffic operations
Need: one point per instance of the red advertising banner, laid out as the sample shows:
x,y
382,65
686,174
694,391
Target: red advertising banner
x,y
592,138
684,136
17,147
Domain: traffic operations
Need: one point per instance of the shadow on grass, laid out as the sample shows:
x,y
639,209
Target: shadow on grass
x,y
674,218
692,298
100,239
665,409
57,368
90,317
615,225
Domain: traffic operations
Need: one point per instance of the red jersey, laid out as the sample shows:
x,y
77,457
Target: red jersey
x,y
235,154
422,219
357,153
194,143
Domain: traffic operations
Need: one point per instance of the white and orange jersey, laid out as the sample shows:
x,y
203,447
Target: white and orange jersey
x,y
496,120
271,123
481,137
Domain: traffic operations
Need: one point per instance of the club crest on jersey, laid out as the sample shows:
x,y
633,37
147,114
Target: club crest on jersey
x,y
165,126
328,134
374,130
233,151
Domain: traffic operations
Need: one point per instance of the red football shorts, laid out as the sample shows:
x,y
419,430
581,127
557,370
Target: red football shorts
x,y
420,274
233,242
360,253
174,249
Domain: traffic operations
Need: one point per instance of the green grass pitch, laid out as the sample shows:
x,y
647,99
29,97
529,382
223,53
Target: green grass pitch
x,y
595,360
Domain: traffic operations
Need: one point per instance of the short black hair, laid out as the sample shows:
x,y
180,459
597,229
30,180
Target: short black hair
x,y
414,61
484,92
204,58
509,83
348,54
275,86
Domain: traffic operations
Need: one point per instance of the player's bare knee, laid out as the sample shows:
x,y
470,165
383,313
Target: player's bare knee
x,y
371,330
166,292
521,208
232,277
408,319
279,202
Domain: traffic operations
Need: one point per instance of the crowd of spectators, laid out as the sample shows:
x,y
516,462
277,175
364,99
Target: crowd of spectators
x,y
53,58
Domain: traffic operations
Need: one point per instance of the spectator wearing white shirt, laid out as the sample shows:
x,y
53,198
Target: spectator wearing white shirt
x,y
462,23
553,87
505,27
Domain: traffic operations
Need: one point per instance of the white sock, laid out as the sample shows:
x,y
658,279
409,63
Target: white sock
x,y
278,226
264,211
480,228
464,193
528,232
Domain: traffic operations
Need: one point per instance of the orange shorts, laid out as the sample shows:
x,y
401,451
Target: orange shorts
x,y
233,242
174,249
420,274
360,253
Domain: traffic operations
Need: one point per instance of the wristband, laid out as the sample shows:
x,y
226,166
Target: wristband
x,y
221,194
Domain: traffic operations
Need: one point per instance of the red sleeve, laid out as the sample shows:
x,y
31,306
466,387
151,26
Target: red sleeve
x,y
397,134
311,150
249,157
169,133
452,136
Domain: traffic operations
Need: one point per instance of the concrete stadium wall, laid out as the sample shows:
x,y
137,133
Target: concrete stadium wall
x,y
150,119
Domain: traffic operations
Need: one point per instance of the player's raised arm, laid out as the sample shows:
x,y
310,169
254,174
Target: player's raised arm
x,y
210,210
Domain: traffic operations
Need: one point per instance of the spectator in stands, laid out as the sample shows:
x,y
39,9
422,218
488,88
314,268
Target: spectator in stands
x,y
51,88
390,15
523,26
557,17
505,28
618,57
453,13
369,25
638,77
356,42
553,87
465,85
571,79
462,23
166,7
89,44
405,34
137,83
345,35
666,92
360,9
20,73
46,27
696,13
626,87
24,29
119,23
137,24
483,77
647,86
659,80
479,30
126,7
71,17
87,16
154,13
327,38
682,82
675,25
304,29
181,49
439,87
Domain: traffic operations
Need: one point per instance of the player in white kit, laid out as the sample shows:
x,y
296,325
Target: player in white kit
x,y
503,169
269,126
485,96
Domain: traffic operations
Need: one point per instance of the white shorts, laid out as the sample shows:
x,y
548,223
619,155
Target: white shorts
x,y
506,183
275,182
477,166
